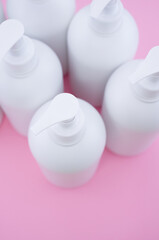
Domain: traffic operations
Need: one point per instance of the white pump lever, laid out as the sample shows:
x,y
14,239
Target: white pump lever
x,y
63,108
149,67
97,6
11,31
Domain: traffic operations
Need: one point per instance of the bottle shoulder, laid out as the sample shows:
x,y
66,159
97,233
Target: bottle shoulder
x,y
47,62
45,53
121,74
46,79
84,41
80,23
41,4
119,88
91,115
41,13
122,104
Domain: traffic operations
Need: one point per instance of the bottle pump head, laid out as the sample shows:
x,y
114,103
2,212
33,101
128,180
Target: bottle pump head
x,y
145,81
17,50
63,118
106,15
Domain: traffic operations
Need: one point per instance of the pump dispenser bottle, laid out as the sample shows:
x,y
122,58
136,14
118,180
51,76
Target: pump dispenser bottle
x,y
45,20
30,75
67,138
131,106
101,37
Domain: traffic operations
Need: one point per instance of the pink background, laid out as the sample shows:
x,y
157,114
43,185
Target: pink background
x,y
120,203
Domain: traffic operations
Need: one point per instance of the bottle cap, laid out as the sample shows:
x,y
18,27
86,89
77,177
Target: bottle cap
x,y
145,80
63,119
106,15
17,50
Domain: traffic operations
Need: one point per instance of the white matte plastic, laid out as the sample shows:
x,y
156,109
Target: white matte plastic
x,y
11,32
130,107
101,37
97,7
69,152
30,75
63,108
46,21
148,67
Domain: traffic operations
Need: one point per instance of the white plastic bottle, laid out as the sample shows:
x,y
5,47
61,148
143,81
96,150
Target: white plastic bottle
x,y
45,20
101,37
131,106
30,75
67,138
1,12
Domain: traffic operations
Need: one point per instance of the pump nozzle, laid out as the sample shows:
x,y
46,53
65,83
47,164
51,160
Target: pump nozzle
x,y
98,6
149,67
106,15
11,31
17,50
145,81
63,108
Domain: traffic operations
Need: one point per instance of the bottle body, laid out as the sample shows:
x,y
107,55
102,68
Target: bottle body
x,y
21,96
93,56
46,21
72,165
132,124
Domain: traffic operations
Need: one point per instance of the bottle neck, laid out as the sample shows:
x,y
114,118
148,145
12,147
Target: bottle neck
x,y
70,132
109,20
21,59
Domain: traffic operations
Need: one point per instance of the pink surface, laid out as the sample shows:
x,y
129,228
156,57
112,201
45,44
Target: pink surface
x,y
120,203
